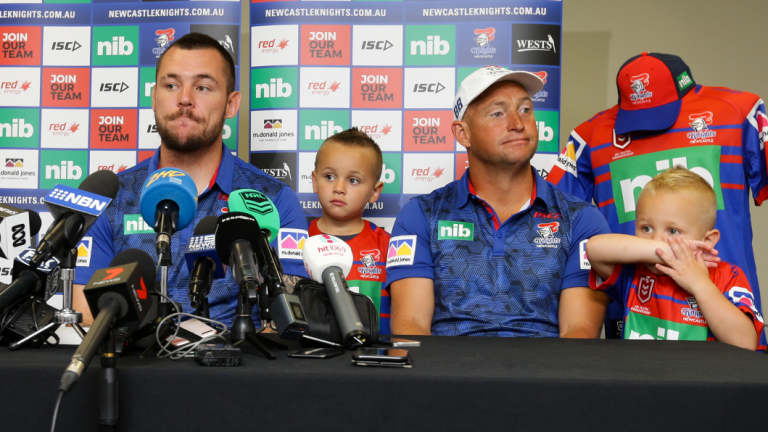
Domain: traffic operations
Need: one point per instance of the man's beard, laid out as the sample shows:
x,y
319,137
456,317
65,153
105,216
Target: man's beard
x,y
192,143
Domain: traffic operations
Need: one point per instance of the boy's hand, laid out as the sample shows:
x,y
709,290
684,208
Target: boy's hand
x,y
708,253
686,265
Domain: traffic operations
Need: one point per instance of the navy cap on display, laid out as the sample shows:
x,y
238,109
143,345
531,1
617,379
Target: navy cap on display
x,y
651,88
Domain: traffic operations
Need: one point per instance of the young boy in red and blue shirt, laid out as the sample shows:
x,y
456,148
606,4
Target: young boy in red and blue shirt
x,y
345,179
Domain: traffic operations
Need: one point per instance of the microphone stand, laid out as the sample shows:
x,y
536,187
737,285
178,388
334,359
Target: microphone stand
x,y
108,389
67,315
243,328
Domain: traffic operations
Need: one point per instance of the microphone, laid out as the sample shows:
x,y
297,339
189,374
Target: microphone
x,y
236,233
285,309
18,229
328,260
27,279
120,294
203,263
75,211
168,203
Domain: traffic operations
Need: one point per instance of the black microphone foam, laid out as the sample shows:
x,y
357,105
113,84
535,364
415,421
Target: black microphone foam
x,y
146,264
103,182
207,225
235,226
34,222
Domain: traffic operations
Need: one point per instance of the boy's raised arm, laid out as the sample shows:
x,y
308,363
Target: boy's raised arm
x,y
606,250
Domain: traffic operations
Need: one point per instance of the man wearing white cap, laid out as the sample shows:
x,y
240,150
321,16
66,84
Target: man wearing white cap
x,y
499,252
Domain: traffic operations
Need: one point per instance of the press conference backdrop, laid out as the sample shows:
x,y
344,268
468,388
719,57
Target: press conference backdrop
x,y
76,81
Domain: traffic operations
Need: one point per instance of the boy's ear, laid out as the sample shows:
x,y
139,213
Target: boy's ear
x,y
377,188
314,182
712,237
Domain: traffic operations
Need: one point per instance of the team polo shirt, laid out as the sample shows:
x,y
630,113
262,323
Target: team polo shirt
x,y
719,134
369,248
492,278
658,309
121,227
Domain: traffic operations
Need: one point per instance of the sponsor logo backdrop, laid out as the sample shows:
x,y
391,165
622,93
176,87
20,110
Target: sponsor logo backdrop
x,y
75,86
391,69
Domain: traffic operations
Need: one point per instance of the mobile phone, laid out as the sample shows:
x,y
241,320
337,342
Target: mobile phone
x,y
398,342
381,355
317,353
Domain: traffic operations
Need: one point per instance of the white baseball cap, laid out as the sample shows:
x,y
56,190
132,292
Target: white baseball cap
x,y
478,81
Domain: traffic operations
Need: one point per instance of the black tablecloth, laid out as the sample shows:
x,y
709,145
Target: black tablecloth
x,y
467,384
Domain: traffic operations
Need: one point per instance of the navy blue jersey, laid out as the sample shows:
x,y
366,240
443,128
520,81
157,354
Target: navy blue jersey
x,y
494,278
121,227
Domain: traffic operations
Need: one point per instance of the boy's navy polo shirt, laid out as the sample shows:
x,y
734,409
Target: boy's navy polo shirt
x,y
120,227
490,278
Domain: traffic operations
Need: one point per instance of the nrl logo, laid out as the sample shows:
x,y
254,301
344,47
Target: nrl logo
x,y
621,141
645,288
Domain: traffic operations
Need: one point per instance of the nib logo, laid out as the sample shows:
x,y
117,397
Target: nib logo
x,y
17,128
117,46
323,131
434,45
275,89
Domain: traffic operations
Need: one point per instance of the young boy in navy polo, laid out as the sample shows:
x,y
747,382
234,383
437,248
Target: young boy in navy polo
x,y
346,179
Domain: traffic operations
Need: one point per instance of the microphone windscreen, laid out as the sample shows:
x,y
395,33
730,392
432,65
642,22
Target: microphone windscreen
x,y
102,182
171,184
323,251
258,205
234,226
145,262
207,225
34,222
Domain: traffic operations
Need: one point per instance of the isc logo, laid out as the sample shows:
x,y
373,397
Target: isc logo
x,y
117,87
428,87
381,45
65,46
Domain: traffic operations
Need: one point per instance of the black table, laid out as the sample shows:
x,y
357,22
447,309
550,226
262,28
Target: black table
x,y
462,384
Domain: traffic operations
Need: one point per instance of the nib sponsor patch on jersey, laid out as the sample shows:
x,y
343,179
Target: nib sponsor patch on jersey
x,y
290,242
401,250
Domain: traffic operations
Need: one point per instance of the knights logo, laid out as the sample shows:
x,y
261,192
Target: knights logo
x,y
163,38
639,84
368,261
548,230
701,121
484,36
645,288
692,303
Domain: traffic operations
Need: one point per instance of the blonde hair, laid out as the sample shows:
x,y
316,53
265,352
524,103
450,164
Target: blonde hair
x,y
679,179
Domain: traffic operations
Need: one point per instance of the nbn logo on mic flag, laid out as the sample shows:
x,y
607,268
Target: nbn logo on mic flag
x,y
78,200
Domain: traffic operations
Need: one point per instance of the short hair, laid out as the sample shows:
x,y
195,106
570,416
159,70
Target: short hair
x,y
198,41
356,138
679,179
